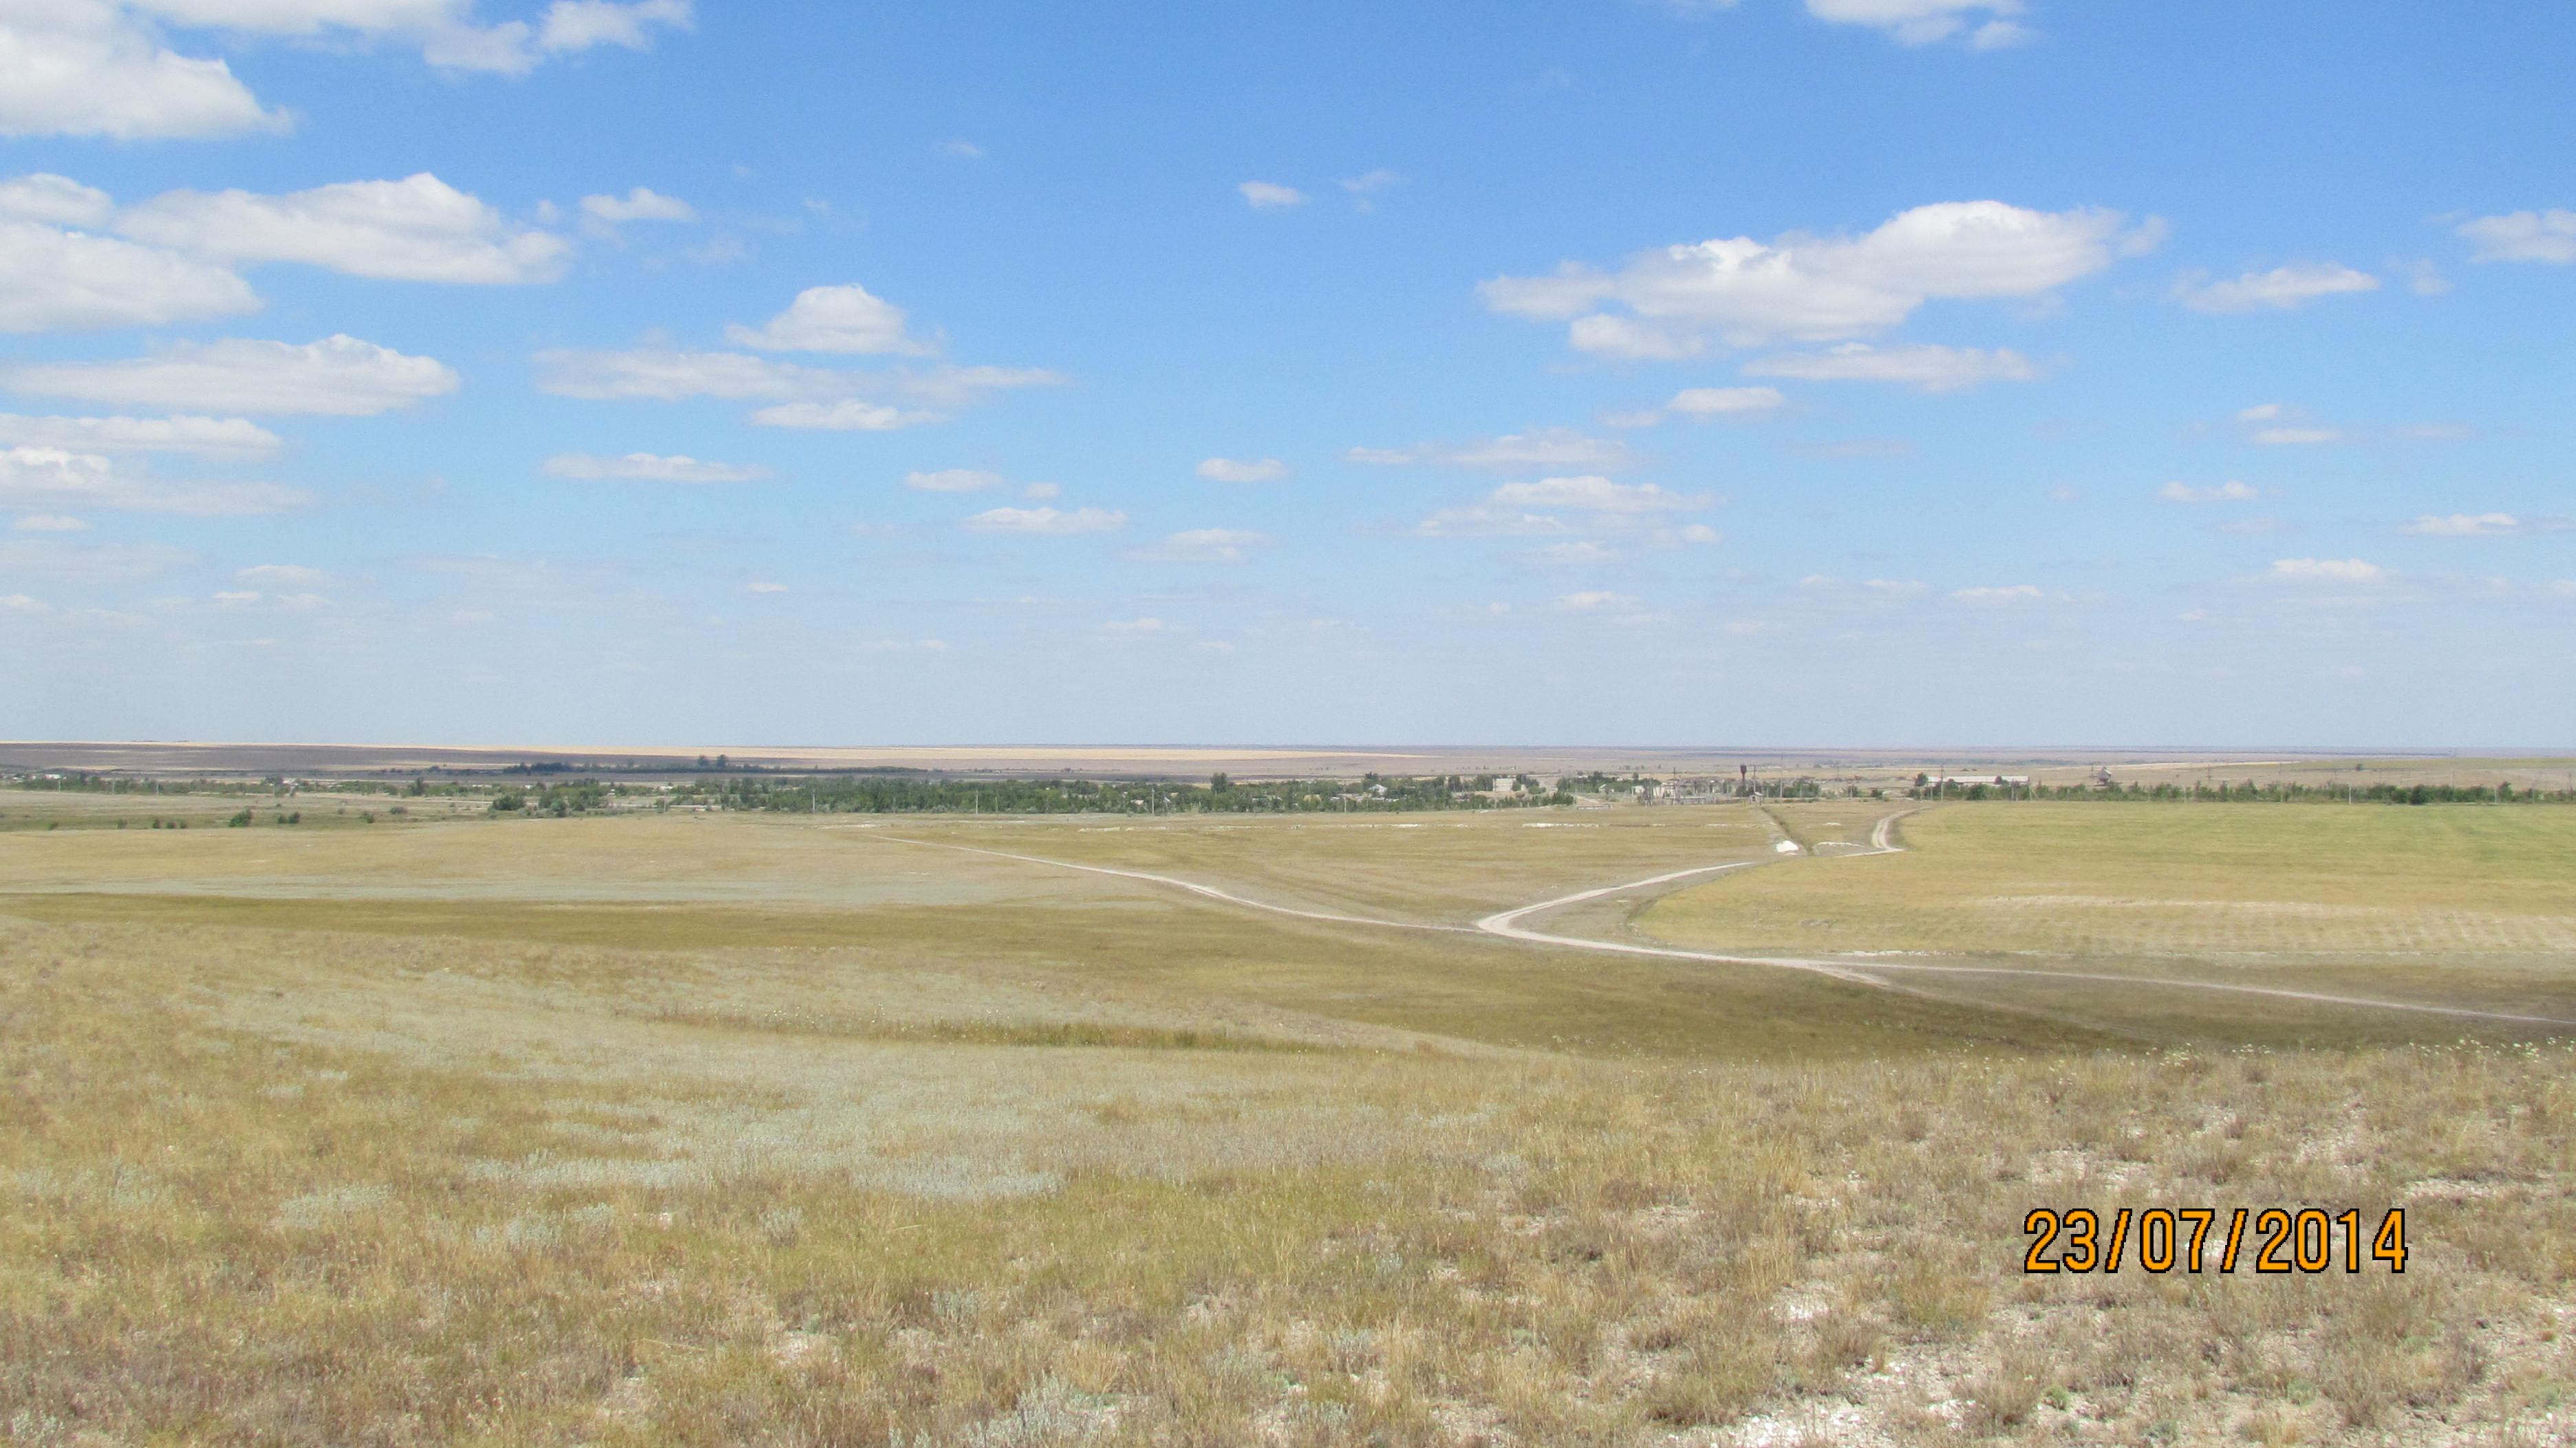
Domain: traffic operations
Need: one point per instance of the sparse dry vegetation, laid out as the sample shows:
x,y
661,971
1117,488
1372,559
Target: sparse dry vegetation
x,y
334,1154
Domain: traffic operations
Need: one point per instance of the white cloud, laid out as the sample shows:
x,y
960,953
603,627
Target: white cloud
x,y
88,68
764,586
668,376
2002,597
1043,490
648,467
1240,470
1513,510
832,319
54,201
807,397
1987,23
1594,495
2280,288
1896,587
1818,289
69,281
847,415
1264,195
1137,627
953,480
1202,545
1602,601
1699,533
2228,492
1542,447
206,437
1924,366
2545,236
416,229
959,150
1047,520
100,67
42,478
1704,403
577,25
283,575
49,523
604,214
79,563
2485,525
445,30
1582,554
2330,570
2272,424
1483,521
338,376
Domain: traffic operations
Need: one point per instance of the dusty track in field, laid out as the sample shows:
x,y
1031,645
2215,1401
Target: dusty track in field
x,y
1882,841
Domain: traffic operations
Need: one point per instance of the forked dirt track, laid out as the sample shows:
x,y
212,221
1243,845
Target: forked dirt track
x,y
1882,839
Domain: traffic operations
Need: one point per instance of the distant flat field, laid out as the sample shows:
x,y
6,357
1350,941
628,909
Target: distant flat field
x,y
2458,905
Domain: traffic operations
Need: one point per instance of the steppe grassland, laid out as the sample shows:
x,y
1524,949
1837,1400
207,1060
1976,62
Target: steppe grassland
x,y
1026,1170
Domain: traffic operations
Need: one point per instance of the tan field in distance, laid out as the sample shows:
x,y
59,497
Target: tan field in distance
x,y
652,1128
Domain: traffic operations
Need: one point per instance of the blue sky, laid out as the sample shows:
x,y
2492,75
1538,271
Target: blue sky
x,y
1862,372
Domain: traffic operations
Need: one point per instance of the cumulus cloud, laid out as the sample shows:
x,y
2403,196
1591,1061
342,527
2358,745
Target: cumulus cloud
x,y
1744,293
1595,495
89,68
53,280
1202,545
1923,366
2228,492
1553,447
1487,521
1599,601
1268,195
1242,470
2485,525
1998,597
2327,570
1047,520
43,478
1701,404
54,201
338,376
847,415
205,437
602,215
806,397
1532,510
953,480
832,319
663,375
102,67
2543,236
2272,424
416,229
651,468
1984,24
2279,289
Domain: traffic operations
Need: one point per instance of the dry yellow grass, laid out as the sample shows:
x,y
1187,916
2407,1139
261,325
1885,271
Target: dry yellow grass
x,y
1079,1163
